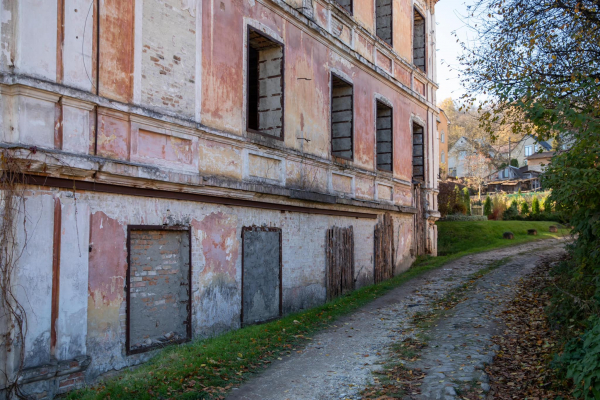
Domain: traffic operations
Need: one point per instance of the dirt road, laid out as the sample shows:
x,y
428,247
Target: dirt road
x,y
338,362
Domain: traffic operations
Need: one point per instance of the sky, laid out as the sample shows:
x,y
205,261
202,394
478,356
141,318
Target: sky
x,y
448,15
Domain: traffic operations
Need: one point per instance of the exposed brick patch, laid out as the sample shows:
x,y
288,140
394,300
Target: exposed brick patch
x,y
159,287
169,57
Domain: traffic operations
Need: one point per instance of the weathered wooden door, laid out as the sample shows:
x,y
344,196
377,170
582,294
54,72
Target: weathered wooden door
x,y
420,222
340,261
384,249
261,274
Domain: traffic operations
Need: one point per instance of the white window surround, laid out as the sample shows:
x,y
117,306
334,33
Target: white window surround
x,y
528,151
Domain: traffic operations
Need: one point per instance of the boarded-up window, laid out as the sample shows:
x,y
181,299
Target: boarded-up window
x,y
384,136
345,4
384,249
418,153
158,288
419,41
340,261
261,274
383,20
341,118
265,85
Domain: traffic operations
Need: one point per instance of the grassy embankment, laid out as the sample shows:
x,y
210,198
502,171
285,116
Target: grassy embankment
x,y
208,368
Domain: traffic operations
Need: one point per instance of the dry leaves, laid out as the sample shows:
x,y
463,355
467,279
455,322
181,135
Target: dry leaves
x,y
397,380
521,366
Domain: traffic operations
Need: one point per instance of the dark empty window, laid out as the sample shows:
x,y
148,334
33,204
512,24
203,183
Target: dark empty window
x,y
265,85
384,137
418,153
419,40
341,118
345,4
383,22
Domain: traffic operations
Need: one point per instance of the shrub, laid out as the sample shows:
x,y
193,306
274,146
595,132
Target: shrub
x,y
535,206
462,217
547,204
467,200
511,212
487,206
515,204
524,208
498,207
581,361
447,198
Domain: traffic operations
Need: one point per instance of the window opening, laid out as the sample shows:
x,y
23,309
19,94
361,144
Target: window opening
x,y
383,20
384,137
345,4
419,41
265,85
341,118
418,154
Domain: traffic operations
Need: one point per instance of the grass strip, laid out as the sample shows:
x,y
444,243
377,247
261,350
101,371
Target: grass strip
x,y
209,368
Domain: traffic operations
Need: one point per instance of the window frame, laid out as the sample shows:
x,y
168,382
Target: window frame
x,y
351,11
250,29
377,102
424,146
528,151
391,44
416,10
333,157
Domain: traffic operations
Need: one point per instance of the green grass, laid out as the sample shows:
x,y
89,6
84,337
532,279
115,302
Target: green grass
x,y
462,237
210,367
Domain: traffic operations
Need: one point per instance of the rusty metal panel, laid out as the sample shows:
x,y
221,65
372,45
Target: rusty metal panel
x,y
340,261
116,49
384,249
261,274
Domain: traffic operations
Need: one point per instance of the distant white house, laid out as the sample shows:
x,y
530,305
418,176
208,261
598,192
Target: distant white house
x,y
525,148
466,159
540,161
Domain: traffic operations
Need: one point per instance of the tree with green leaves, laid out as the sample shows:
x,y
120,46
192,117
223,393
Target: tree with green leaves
x,y
524,208
547,205
487,206
539,59
535,206
515,204
467,200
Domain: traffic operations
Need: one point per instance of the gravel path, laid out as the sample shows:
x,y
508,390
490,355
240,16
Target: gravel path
x,y
338,362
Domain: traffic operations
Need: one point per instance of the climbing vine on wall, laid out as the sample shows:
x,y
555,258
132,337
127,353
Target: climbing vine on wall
x,y
13,319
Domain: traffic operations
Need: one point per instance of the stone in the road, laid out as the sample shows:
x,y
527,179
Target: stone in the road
x,y
338,363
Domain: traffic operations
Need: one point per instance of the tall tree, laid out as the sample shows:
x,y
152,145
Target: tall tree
x,y
536,64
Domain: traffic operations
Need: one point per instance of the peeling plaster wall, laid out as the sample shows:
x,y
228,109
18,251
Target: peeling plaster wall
x,y
78,44
92,285
34,273
74,257
181,62
169,57
116,49
36,38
